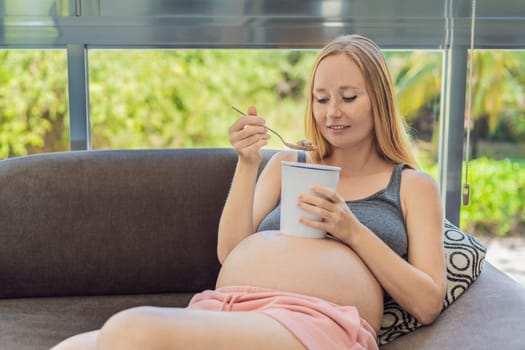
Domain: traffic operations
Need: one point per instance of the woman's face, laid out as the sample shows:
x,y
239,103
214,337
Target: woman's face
x,y
340,105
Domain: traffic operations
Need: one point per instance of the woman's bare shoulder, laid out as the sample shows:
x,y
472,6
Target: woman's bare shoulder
x,y
418,187
290,156
418,180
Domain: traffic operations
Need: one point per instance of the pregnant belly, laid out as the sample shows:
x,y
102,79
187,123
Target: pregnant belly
x,y
324,268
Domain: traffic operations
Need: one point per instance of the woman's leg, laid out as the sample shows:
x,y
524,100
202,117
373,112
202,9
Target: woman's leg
x,y
176,328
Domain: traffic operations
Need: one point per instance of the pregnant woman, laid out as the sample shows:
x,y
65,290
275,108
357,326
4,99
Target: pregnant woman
x,y
275,291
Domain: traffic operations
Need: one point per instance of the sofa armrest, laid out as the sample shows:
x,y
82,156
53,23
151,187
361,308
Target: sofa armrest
x,y
488,316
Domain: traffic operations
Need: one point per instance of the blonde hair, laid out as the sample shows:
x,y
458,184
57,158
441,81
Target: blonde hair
x,y
390,131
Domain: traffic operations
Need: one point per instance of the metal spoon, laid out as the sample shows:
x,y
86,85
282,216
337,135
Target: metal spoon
x,y
303,145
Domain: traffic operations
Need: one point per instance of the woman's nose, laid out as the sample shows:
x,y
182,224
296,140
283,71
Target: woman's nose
x,y
334,109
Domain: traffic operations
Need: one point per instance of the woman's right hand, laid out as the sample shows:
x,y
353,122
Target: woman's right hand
x,y
248,135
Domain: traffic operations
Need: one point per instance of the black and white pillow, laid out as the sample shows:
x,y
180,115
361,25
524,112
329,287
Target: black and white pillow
x,y
464,256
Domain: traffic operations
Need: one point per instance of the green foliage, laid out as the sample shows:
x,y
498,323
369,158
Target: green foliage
x,y
185,98
33,102
417,79
497,196
497,202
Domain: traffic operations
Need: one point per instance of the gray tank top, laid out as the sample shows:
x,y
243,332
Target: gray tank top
x,y
381,212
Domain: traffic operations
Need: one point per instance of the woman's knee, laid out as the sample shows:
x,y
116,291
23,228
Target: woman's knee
x,y
84,341
129,329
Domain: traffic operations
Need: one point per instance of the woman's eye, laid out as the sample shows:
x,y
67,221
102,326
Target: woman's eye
x,y
321,100
349,99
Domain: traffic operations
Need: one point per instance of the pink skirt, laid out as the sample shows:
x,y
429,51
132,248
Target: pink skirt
x,y
318,324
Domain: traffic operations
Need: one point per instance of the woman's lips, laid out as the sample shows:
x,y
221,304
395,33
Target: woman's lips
x,y
337,129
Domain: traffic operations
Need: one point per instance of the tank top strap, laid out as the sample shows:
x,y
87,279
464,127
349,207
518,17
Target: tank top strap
x,y
301,156
394,185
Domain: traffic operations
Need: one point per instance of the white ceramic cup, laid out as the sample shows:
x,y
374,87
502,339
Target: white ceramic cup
x,y
299,177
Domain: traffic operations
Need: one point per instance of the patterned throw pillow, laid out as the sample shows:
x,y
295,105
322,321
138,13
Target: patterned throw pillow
x,y
465,256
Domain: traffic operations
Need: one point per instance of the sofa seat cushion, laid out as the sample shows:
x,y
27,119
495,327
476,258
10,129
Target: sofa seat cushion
x,y
489,315
40,323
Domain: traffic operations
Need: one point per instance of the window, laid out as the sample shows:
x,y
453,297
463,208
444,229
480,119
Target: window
x,y
183,98
497,144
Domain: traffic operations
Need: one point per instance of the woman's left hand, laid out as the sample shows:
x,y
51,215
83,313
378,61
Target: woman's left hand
x,y
336,218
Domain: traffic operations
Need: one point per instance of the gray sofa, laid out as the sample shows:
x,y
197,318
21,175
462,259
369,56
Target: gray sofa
x,y
85,234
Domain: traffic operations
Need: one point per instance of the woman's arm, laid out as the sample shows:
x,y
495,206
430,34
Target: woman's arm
x,y
247,136
245,207
236,218
418,285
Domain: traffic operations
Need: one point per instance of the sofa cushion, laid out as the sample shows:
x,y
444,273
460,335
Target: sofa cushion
x,y
464,259
111,222
40,323
489,315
